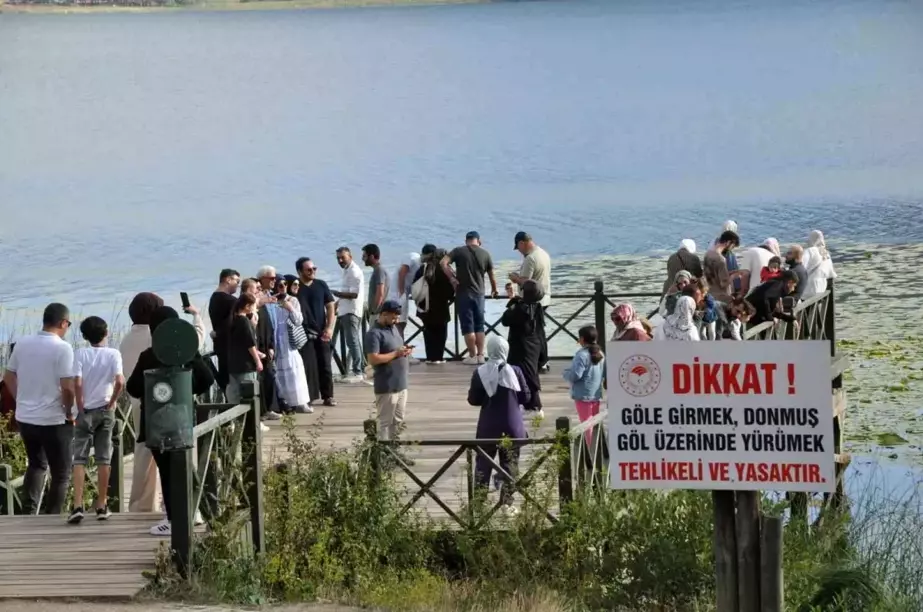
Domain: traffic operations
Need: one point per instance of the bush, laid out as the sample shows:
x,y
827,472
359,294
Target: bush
x,y
334,531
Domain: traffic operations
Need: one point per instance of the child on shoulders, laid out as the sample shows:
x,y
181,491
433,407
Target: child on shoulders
x,y
772,270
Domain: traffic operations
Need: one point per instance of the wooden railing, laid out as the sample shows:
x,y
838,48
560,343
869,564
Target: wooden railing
x,y
222,476
568,449
582,451
563,317
12,489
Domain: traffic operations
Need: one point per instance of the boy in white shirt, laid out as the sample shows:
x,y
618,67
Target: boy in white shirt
x,y
99,381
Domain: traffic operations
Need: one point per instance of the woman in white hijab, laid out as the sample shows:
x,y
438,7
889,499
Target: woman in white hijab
x,y
499,389
680,325
818,264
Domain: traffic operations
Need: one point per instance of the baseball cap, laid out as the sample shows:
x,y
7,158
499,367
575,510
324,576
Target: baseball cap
x,y
472,235
520,236
391,306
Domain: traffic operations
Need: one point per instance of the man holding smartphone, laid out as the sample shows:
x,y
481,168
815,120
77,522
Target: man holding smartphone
x,y
387,354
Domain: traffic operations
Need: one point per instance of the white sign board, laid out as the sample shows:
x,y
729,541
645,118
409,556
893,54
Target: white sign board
x,y
752,415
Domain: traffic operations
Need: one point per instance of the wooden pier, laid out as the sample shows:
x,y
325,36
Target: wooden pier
x,y
437,414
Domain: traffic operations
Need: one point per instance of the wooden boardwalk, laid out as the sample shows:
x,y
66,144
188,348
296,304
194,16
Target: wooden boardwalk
x,y
437,409
42,556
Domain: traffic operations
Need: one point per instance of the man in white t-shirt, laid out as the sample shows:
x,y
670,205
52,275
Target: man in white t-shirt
x,y
98,382
350,308
753,260
40,376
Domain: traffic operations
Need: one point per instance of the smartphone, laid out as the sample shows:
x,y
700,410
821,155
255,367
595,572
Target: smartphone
x,y
185,299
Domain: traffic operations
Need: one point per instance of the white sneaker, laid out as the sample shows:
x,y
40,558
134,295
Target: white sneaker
x,y
272,416
482,359
508,511
198,520
439,362
471,361
162,529
263,427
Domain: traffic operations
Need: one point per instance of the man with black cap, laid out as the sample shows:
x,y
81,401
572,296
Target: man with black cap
x,y
471,264
387,354
536,266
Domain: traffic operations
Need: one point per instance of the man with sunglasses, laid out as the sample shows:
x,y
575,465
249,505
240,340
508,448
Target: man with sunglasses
x,y
40,375
319,311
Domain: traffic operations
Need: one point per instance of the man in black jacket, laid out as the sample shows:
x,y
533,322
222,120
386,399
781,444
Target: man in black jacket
x,y
319,311
767,298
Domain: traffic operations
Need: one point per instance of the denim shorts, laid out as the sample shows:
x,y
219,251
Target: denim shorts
x,y
94,429
470,313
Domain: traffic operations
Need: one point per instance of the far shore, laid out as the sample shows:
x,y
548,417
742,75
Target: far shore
x,y
224,5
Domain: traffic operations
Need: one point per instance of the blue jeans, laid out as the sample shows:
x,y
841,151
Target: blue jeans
x,y
470,313
351,328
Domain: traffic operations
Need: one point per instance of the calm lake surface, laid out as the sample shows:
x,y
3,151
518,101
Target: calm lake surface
x,y
147,151
150,150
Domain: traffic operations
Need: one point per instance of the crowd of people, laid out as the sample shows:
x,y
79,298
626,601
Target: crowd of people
x,y
275,330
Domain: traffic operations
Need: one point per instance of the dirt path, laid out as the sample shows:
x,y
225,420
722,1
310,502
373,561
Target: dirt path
x,y
86,606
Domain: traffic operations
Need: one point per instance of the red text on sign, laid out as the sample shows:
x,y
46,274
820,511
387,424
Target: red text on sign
x,y
726,378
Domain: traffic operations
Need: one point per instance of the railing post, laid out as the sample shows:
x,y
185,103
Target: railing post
x,y
830,317
253,463
748,550
469,477
457,327
725,552
565,474
771,597
182,514
116,481
7,500
599,307
370,426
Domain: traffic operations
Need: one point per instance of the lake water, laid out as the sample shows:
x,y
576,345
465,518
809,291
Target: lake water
x,y
150,150
147,151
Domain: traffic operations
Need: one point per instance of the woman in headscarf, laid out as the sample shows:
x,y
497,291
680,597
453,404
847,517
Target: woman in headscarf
x,y
818,265
681,325
526,320
292,284
499,389
434,307
202,380
680,282
628,325
143,496
291,379
683,259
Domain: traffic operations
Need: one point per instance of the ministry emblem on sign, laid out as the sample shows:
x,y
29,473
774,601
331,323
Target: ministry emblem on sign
x,y
639,375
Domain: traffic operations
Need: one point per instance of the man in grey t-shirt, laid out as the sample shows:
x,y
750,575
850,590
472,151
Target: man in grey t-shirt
x,y
379,283
386,353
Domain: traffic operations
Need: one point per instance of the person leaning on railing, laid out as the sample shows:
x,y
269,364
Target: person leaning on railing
x,y
202,380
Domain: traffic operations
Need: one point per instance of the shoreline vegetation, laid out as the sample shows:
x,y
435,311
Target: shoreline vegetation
x,y
144,6
334,532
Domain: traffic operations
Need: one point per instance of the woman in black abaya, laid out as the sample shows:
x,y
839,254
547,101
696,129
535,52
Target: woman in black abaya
x,y
526,320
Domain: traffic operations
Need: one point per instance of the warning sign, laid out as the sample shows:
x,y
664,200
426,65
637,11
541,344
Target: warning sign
x,y
720,415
